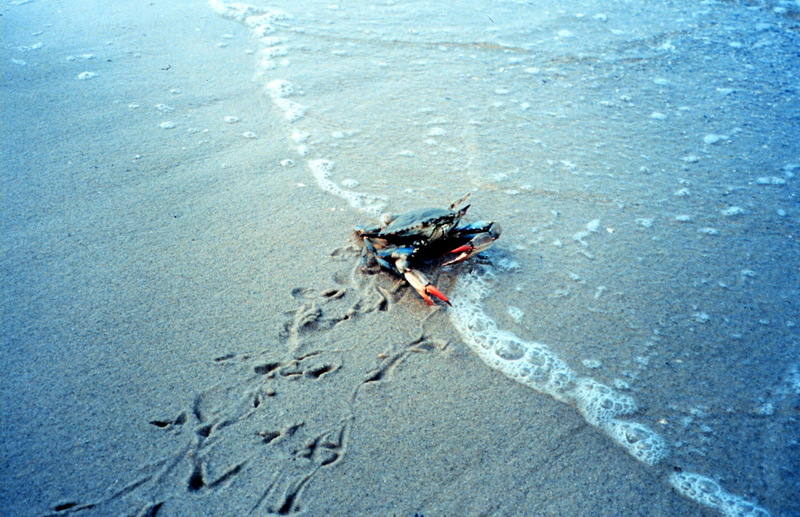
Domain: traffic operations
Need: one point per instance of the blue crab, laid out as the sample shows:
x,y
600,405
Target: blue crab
x,y
426,234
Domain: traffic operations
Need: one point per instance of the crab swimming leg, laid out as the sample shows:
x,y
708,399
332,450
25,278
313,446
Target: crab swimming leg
x,y
485,235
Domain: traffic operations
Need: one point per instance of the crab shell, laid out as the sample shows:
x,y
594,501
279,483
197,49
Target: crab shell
x,y
421,226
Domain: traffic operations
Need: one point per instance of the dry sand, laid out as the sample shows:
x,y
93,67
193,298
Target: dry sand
x,y
184,329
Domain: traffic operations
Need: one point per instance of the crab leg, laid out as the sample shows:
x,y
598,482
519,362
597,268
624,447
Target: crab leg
x,y
369,246
424,287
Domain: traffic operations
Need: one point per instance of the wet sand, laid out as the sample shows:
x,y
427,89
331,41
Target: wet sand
x,y
186,331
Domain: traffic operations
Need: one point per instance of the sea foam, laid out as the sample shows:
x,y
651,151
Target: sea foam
x,y
536,365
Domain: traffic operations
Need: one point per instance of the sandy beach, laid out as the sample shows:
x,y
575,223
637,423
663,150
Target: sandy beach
x,y
187,330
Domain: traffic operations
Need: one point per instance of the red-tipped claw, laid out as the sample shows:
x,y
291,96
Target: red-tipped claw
x,y
466,251
432,290
478,243
424,287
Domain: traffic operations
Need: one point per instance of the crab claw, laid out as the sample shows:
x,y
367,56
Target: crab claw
x,y
424,287
479,243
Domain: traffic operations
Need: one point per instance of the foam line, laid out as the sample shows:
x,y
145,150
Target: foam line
x,y
535,365
706,491
322,169
263,23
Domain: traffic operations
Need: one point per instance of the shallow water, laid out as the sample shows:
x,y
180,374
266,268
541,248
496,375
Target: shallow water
x,y
642,159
